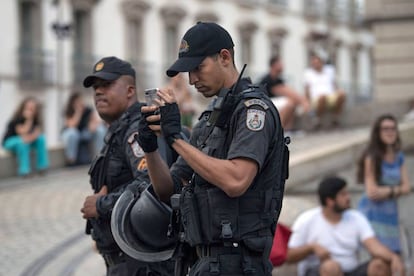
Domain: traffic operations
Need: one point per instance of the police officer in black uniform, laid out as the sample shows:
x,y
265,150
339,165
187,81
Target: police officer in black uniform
x,y
120,164
230,201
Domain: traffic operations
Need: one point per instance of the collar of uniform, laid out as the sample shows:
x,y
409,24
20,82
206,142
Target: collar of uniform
x,y
133,110
243,84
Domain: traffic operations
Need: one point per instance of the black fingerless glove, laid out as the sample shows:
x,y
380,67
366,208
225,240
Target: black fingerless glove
x,y
146,137
170,122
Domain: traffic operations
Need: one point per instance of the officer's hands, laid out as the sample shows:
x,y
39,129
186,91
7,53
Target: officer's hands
x,y
152,116
146,137
167,97
89,206
170,122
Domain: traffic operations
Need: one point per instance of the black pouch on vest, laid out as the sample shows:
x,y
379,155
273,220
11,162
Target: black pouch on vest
x,y
190,218
102,235
259,244
94,172
219,216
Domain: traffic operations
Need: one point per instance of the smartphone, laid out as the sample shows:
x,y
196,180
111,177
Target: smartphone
x,y
151,95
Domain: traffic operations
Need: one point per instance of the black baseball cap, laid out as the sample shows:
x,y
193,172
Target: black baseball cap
x,y
200,41
109,68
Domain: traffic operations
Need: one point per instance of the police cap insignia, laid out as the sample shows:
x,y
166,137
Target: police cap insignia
x,y
255,119
99,66
259,102
184,47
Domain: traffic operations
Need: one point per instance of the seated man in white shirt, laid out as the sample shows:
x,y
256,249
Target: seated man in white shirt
x,y
325,240
321,90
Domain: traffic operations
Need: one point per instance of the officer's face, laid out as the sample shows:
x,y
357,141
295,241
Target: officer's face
x,y
111,98
208,77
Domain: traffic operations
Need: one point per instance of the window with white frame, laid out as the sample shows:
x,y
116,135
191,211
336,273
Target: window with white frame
x,y
30,54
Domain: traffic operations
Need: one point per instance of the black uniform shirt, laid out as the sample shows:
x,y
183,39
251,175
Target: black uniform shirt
x,y
125,159
251,132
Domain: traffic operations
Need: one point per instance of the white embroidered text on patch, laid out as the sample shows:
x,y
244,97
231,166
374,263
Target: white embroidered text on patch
x,y
255,119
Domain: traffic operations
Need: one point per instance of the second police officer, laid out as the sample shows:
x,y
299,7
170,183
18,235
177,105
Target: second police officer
x,y
121,164
231,174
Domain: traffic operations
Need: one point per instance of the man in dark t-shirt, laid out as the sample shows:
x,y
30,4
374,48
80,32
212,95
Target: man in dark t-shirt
x,y
270,83
283,97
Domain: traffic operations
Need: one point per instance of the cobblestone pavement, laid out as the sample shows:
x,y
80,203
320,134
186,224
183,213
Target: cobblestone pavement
x,y
41,230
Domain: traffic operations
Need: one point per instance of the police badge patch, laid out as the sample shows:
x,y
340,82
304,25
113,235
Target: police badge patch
x,y
136,149
255,119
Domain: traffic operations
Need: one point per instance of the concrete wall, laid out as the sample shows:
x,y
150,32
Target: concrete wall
x,y
392,23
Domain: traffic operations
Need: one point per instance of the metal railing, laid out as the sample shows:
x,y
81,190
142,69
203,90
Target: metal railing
x,y
36,67
281,3
82,66
341,11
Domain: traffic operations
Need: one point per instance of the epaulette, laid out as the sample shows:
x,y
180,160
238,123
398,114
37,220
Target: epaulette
x,y
254,95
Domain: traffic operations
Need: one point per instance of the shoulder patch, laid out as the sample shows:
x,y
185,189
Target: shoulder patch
x,y
255,119
135,147
142,165
131,137
259,102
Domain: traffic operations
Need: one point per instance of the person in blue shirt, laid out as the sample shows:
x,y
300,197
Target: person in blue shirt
x,y
383,172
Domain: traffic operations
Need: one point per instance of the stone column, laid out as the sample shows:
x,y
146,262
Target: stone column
x,y
206,17
134,12
172,16
276,36
247,29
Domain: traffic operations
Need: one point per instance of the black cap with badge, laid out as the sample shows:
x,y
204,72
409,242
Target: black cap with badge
x,y
200,41
109,68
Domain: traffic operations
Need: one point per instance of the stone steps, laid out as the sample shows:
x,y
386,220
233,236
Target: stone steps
x,y
8,161
314,156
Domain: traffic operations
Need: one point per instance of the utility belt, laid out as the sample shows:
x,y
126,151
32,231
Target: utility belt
x,y
214,250
112,259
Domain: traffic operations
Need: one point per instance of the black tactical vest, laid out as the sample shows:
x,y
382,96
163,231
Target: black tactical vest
x,y
111,168
254,214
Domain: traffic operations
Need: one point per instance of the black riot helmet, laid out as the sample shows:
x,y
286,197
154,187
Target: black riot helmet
x,y
139,225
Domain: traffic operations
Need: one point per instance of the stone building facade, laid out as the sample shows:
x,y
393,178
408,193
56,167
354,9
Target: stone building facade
x,y
392,23
48,46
